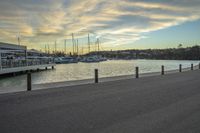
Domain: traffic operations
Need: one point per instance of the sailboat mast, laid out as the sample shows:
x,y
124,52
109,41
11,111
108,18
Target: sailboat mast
x,y
55,46
77,47
88,43
48,49
18,39
73,42
98,44
45,48
65,47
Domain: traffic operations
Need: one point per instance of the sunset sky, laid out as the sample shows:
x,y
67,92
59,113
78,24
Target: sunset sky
x,y
119,24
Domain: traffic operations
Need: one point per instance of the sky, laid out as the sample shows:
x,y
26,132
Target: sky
x,y
118,24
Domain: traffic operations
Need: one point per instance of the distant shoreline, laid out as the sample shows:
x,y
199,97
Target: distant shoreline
x,y
180,53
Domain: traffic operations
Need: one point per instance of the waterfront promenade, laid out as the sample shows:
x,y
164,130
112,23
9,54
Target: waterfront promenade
x,y
155,104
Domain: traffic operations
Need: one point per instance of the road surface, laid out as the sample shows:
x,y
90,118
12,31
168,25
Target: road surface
x,y
157,104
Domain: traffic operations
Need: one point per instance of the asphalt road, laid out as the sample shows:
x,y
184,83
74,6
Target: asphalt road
x,y
159,104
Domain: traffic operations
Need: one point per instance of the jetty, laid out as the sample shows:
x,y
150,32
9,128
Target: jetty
x,y
164,103
17,58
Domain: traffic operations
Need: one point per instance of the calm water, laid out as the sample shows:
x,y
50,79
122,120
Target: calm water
x,y
67,72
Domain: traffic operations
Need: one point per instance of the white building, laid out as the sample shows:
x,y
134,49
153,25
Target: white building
x,y
15,58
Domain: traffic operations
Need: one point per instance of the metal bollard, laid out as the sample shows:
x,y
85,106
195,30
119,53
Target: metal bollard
x,y
199,65
162,70
29,84
137,72
180,68
192,68
96,78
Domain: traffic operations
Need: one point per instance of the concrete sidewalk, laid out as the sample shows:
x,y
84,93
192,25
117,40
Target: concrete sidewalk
x,y
167,104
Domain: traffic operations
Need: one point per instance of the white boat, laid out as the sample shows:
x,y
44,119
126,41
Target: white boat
x,y
65,60
91,59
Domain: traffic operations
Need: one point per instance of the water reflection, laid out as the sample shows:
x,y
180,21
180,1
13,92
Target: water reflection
x,y
67,72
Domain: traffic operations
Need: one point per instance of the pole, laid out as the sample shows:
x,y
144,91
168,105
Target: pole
x,y
26,58
88,43
96,80
192,68
180,68
75,50
29,84
48,49
18,39
65,47
162,71
137,72
199,65
73,43
0,62
45,48
98,44
77,47
55,47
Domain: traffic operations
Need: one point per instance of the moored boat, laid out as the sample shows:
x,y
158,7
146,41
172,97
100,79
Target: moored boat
x,y
65,60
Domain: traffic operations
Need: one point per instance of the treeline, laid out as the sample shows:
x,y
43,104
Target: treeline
x,y
189,53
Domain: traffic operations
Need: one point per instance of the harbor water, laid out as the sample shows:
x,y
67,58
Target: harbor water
x,y
79,71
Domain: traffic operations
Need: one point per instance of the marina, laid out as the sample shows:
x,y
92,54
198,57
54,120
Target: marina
x,y
99,66
16,61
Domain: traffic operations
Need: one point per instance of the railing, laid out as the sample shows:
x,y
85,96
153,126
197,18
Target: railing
x,y
22,63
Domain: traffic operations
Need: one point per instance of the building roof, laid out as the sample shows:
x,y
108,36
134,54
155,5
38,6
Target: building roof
x,y
11,46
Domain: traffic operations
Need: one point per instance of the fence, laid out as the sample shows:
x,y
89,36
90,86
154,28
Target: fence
x,y
5,63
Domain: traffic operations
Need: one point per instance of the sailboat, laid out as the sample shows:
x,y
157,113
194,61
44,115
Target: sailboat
x,y
94,58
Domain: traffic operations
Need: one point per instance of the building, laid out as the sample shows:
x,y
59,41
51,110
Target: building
x,y
15,58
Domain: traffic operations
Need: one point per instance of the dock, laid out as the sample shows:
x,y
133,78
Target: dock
x,y
153,104
26,68
17,58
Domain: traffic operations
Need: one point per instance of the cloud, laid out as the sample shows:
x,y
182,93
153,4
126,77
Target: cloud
x,y
117,22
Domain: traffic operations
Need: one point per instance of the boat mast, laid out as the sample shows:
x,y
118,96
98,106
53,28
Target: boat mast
x,y
88,43
73,42
98,44
48,49
77,47
55,46
45,48
18,39
65,46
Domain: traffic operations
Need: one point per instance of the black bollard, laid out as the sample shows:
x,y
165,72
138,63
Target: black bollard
x,y
199,65
180,68
137,72
29,84
192,68
96,78
162,70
